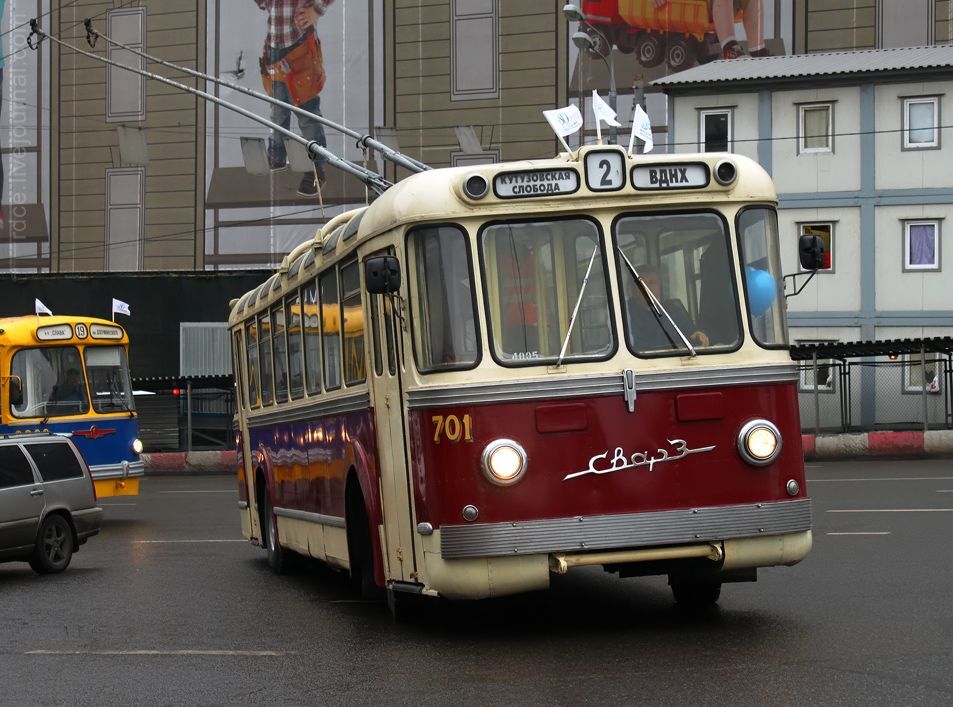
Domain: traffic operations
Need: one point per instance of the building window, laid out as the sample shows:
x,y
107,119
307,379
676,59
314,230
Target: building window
x,y
714,131
921,375
921,121
474,49
125,194
125,90
826,233
816,128
921,245
824,377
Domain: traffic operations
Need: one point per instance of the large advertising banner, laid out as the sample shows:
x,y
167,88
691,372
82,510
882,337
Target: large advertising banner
x,y
264,195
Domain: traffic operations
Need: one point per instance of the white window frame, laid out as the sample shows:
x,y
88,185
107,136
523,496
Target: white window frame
x,y
801,110
704,113
458,16
907,265
140,205
806,377
911,361
933,144
124,56
833,226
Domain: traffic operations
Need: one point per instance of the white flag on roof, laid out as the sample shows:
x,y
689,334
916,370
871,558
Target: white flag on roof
x,y
603,111
642,129
41,308
564,121
120,307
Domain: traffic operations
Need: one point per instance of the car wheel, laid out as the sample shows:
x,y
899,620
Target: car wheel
x,y
54,546
277,556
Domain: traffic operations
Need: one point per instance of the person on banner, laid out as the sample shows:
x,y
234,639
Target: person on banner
x,y
292,70
723,13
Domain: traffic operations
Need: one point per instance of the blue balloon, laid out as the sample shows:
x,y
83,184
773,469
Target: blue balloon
x,y
762,289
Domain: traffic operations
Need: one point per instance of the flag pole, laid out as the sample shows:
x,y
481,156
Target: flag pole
x,y
565,144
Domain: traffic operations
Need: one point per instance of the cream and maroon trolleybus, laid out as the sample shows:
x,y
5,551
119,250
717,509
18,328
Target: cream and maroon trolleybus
x,y
496,374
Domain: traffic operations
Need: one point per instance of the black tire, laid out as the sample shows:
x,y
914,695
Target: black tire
x,y
648,49
678,56
696,595
277,556
361,550
54,546
625,40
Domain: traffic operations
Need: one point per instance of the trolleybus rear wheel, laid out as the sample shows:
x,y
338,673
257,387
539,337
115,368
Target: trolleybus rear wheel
x,y
695,594
54,546
359,543
277,557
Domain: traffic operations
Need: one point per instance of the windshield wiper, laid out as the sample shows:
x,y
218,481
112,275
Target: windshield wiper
x,y
575,311
656,305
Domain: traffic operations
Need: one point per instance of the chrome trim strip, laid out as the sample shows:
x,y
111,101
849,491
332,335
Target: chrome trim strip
x,y
311,410
555,387
585,533
116,471
333,521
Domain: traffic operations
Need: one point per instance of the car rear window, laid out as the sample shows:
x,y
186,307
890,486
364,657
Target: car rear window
x,y
55,461
14,468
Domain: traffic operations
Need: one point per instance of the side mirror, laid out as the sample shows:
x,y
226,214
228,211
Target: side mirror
x,y
16,391
382,274
812,252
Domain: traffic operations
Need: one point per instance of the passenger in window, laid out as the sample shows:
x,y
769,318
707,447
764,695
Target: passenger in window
x,y
651,332
71,389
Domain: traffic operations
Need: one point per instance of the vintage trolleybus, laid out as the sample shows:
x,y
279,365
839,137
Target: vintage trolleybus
x,y
69,375
493,374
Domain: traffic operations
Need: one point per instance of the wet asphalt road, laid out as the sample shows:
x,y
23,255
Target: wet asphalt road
x,y
169,606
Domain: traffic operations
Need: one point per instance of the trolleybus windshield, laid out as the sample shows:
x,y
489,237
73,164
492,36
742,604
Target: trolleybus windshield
x,y
52,383
685,261
108,375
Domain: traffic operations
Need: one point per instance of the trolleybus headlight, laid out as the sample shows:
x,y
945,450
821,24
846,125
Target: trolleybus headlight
x,y
137,446
759,442
504,462
725,173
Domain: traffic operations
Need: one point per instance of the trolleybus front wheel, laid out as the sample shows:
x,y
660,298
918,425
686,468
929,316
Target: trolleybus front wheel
x,y
277,557
695,595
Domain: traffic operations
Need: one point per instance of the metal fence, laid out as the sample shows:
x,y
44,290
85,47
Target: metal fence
x,y
909,392
187,419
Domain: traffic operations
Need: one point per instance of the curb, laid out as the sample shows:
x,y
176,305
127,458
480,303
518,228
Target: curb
x,y
933,444
216,462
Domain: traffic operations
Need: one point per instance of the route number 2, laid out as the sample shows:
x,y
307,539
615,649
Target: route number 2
x,y
453,428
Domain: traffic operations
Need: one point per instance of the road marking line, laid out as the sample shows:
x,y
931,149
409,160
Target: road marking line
x,y
204,491
898,478
160,542
944,490
893,510
859,533
241,654
110,505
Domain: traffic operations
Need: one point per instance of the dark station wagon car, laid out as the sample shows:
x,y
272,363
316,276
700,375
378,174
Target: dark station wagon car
x,y
47,501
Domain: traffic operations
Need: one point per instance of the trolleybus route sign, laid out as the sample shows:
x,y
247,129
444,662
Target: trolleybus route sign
x,y
57,332
536,182
670,176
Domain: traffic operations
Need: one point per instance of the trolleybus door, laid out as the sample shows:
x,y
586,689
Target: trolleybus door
x,y
387,366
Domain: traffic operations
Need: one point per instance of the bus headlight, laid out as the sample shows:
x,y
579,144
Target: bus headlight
x,y
504,462
137,446
759,442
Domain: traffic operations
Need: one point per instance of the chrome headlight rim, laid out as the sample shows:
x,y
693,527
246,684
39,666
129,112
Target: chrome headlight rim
x,y
487,455
137,446
745,433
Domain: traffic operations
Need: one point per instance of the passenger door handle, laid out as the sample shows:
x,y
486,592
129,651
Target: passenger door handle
x,y
36,492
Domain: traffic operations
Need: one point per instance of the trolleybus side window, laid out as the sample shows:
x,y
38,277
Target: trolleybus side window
x,y
758,240
295,359
264,358
280,344
52,382
353,323
108,374
331,329
684,260
237,364
535,274
376,338
445,329
251,339
312,337
391,340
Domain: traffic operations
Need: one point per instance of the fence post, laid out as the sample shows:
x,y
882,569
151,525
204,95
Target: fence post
x,y
188,416
817,401
923,393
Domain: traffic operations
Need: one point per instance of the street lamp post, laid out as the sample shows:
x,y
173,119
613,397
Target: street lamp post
x,y
584,42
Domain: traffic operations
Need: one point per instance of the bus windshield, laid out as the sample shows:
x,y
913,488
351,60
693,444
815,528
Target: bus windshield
x,y
534,275
685,261
51,382
108,375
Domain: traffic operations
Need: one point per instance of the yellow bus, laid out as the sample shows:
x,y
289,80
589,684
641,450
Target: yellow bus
x,y
69,375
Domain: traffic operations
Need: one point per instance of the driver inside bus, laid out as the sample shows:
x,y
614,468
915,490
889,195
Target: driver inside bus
x,y
70,390
649,332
